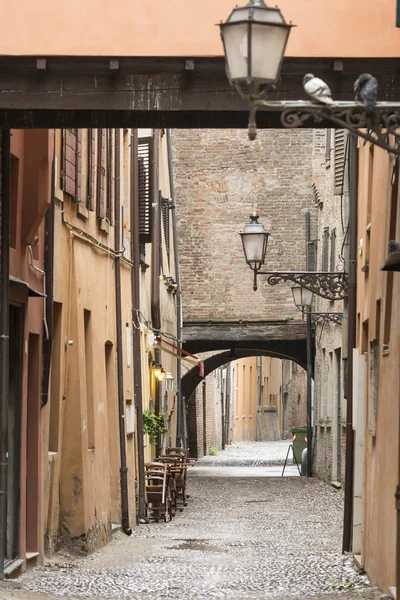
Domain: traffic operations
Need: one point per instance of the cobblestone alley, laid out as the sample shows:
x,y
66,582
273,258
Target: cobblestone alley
x,y
245,536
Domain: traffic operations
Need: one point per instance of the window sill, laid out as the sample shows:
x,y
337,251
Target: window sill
x,y
82,211
104,226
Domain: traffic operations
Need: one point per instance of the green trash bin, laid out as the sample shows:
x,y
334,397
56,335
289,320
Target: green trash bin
x,y
299,440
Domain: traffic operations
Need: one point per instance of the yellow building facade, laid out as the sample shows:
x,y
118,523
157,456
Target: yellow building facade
x,y
91,441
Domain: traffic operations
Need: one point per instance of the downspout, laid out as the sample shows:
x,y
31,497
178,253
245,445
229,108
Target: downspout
x,y
180,413
158,399
4,332
48,270
120,367
135,295
156,230
352,307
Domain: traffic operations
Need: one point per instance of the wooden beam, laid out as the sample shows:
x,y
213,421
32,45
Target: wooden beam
x,y
156,92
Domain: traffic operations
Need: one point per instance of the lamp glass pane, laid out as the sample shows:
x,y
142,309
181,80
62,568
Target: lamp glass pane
x,y
268,45
268,16
254,246
308,296
236,50
297,295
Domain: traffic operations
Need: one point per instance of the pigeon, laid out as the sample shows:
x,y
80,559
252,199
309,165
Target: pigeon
x,y
394,247
366,88
317,89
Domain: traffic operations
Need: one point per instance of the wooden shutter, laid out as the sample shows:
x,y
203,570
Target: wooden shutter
x,y
91,152
110,175
165,220
328,142
144,190
101,174
340,144
333,251
78,166
325,249
69,150
312,255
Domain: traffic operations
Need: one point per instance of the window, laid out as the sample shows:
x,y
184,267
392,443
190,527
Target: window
x,y
165,220
325,249
333,251
110,175
101,174
340,149
71,163
328,142
144,146
312,255
91,168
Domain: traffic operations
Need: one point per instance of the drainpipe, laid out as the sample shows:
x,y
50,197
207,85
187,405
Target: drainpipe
x,y
135,295
352,307
118,309
156,231
4,333
48,278
181,414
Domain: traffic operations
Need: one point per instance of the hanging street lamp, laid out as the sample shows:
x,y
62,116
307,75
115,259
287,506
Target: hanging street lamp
x,y
254,39
331,286
254,239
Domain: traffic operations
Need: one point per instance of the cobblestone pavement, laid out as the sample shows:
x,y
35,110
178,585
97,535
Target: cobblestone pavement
x,y
250,454
239,539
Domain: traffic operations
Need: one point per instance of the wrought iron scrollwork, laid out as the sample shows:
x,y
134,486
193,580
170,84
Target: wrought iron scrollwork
x,y
375,127
331,286
324,317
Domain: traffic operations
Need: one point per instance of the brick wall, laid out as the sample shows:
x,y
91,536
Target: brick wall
x,y
330,421
220,178
207,395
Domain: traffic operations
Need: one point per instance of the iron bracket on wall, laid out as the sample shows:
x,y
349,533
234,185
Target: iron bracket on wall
x,y
379,126
335,317
331,286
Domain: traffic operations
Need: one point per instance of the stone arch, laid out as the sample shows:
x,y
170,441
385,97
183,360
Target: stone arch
x,y
192,378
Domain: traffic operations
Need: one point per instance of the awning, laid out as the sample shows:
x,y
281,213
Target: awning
x,y
14,281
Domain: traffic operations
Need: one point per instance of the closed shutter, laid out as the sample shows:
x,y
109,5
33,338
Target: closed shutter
x,y
101,174
91,150
144,190
325,249
165,220
333,251
110,175
312,255
69,151
78,167
340,143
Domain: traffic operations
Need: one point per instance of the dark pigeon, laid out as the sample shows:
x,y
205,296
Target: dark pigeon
x,y
393,247
366,89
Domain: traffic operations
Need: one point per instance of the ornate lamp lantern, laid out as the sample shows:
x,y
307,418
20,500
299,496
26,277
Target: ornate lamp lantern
x,y
254,240
302,296
254,38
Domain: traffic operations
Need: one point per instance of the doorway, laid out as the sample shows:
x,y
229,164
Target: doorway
x,y
13,442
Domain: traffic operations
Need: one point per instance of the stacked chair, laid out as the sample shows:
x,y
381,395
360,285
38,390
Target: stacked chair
x,y
166,484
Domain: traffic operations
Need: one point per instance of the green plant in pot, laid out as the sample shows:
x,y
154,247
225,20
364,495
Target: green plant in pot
x,y
153,425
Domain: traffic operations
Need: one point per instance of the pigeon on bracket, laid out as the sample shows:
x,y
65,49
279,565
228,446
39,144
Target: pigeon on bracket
x,y
366,88
317,89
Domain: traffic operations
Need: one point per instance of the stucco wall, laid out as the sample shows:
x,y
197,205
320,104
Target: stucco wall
x,y
173,28
378,324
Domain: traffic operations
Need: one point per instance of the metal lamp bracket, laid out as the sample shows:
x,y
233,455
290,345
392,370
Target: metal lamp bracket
x,y
331,286
379,127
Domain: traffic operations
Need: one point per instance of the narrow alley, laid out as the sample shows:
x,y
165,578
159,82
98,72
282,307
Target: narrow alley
x,y
247,536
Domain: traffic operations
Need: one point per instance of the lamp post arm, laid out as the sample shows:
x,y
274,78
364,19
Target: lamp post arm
x,y
331,286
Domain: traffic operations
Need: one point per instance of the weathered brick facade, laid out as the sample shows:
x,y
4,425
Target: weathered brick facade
x,y
330,405
220,178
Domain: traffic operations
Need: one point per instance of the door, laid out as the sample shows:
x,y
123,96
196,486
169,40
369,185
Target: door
x,y
13,445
